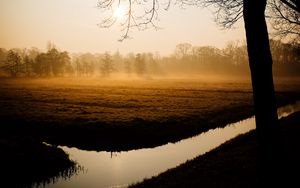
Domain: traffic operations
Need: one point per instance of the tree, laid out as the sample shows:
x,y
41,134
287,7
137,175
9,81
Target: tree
x,y
127,67
153,67
58,61
13,63
107,67
41,65
63,63
183,49
28,64
54,61
78,67
85,64
285,20
260,61
228,12
140,64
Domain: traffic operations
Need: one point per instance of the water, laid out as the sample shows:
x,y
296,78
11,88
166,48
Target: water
x,y
105,169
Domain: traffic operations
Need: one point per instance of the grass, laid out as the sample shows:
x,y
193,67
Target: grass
x,y
234,164
122,115
112,115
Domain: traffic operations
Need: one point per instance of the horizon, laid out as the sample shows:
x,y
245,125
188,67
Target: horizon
x,y
74,28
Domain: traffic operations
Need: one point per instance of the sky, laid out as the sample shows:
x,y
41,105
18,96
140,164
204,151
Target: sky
x,y
72,25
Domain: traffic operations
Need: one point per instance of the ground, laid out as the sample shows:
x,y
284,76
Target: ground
x,y
111,115
25,161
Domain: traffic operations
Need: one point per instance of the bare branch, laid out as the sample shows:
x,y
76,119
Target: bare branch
x,y
284,20
142,14
227,13
293,4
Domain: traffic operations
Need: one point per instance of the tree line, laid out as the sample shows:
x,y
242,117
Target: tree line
x,y
186,60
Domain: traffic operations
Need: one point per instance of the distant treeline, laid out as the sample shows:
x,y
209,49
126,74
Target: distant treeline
x,y
186,60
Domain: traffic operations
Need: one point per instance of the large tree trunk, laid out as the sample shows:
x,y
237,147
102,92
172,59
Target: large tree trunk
x,y
260,61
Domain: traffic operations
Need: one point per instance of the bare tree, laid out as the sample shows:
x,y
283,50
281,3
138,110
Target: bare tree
x,y
283,14
284,17
228,12
107,67
133,18
13,63
183,49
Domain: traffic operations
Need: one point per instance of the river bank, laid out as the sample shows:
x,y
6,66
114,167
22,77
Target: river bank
x,y
26,161
234,163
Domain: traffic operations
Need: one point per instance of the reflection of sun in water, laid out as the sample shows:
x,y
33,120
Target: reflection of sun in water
x,y
119,12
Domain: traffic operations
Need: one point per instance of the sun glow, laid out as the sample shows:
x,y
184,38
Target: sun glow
x,y
119,12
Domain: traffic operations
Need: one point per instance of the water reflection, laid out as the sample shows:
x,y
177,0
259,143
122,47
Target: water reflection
x,y
118,169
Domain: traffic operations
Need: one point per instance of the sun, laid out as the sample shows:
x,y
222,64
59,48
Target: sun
x,y
119,12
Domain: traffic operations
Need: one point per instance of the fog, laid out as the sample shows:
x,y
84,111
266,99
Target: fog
x,y
187,62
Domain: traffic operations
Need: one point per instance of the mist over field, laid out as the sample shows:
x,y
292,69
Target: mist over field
x,y
149,93
187,62
111,102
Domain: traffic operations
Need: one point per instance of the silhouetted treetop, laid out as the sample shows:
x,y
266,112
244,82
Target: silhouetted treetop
x,y
285,18
142,14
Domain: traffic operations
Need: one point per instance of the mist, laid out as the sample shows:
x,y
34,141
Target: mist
x,y
187,62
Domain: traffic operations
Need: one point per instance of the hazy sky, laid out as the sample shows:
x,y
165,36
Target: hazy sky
x,y
72,25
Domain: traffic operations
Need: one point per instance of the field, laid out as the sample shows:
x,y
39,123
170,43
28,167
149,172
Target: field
x,y
110,115
98,114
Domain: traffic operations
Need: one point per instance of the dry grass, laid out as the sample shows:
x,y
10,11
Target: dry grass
x,y
123,114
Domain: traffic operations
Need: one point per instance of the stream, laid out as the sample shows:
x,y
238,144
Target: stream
x,y
120,169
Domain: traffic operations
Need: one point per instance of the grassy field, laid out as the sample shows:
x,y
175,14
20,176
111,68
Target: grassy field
x,y
111,115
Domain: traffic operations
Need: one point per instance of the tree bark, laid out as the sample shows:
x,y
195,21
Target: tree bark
x,y
260,61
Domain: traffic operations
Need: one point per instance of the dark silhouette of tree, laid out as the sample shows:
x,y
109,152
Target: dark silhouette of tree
x,y
286,58
282,14
285,18
260,60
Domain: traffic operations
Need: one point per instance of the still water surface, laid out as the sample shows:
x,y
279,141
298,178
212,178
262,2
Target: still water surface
x,y
105,169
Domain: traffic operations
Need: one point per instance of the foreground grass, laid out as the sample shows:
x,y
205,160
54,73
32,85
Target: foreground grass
x,y
234,164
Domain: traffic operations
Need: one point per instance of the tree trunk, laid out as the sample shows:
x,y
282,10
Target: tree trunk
x,y
260,61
